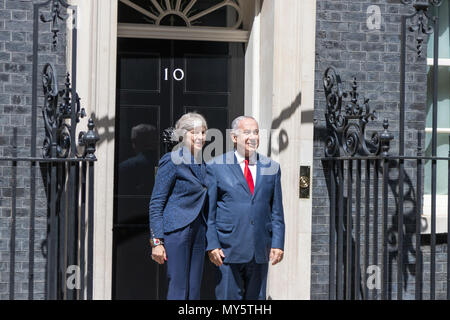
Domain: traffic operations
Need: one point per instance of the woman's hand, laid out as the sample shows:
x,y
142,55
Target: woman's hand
x,y
159,254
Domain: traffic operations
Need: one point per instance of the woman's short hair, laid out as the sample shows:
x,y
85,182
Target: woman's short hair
x,y
187,122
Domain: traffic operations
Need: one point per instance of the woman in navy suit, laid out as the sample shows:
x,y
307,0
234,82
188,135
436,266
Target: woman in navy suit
x,y
177,210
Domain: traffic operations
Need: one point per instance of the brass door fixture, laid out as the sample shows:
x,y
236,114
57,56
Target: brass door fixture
x,y
304,182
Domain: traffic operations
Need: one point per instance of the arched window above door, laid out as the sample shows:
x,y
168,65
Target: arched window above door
x,y
188,13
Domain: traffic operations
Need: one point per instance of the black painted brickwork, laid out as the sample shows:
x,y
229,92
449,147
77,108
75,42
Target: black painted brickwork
x,y
16,40
344,41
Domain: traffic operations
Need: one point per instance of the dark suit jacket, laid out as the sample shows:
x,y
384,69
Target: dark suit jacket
x,y
179,193
245,226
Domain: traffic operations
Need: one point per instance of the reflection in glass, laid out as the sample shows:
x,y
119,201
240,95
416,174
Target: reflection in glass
x,y
137,175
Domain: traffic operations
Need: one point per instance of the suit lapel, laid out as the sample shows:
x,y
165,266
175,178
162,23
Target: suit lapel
x,y
196,171
203,171
258,176
188,162
237,171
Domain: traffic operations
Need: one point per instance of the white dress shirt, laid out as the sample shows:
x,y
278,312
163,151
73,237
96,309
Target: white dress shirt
x,y
251,164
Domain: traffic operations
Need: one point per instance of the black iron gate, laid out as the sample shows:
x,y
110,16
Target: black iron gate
x,y
64,169
375,207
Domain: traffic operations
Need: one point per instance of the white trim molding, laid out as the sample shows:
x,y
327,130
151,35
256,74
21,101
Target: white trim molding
x,y
438,130
441,62
96,78
441,213
286,105
148,31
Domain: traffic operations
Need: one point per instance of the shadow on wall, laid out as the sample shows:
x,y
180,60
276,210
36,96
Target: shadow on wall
x,y
283,138
107,124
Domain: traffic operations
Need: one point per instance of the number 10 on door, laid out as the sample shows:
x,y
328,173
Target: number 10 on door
x,y
177,74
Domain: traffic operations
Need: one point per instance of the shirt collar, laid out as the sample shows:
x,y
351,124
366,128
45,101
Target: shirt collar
x,y
240,159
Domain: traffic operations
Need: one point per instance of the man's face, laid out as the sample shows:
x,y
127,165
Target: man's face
x,y
247,138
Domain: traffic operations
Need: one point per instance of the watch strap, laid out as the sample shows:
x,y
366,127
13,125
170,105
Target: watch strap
x,y
156,242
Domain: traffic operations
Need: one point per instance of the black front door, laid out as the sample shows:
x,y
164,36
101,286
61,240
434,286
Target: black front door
x,y
158,81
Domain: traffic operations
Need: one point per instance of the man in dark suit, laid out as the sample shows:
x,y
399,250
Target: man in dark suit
x,y
245,226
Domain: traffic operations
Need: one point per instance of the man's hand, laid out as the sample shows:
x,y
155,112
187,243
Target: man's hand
x,y
276,255
159,254
216,256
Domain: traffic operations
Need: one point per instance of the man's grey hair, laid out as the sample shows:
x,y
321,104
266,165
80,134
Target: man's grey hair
x,y
235,123
187,122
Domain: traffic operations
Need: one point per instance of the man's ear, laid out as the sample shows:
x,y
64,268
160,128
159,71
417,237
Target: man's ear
x,y
233,137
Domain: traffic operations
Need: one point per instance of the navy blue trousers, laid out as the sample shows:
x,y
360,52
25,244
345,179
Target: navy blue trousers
x,y
242,281
185,250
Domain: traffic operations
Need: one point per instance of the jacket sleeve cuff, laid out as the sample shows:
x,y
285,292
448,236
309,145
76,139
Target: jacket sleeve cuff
x,y
211,245
156,234
277,244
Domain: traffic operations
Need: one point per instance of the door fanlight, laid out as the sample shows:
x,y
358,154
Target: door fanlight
x,y
157,10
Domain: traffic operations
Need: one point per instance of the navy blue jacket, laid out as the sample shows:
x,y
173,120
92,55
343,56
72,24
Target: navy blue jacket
x,y
245,226
179,193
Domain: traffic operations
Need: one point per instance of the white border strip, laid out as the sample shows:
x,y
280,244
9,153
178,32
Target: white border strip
x,y
441,62
438,130
441,213
142,31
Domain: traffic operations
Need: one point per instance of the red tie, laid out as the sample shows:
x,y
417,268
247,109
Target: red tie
x,y
248,177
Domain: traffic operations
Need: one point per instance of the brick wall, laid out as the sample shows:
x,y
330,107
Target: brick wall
x,y
344,41
16,41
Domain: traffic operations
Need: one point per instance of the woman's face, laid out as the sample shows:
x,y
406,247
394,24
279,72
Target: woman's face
x,y
196,138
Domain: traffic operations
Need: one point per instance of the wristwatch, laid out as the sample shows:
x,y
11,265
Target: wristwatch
x,y
156,242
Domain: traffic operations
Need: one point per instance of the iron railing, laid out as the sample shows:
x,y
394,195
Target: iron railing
x,y
68,247
66,168
373,219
